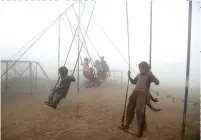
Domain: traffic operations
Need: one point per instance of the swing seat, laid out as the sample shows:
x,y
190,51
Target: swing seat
x,y
102,75
92,83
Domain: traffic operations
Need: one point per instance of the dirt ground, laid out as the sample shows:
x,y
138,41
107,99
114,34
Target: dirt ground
x,y
99,115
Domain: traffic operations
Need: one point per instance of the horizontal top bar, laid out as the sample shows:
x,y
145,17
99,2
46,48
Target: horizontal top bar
x,y
19,61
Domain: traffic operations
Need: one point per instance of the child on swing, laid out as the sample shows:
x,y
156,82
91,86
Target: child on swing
x,y
99,69
104,66
138,99
88,73
60,91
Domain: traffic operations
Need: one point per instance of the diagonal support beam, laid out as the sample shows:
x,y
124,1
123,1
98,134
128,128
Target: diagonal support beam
x,y
85,46
38,38
19,76
87,34
16,72
72,34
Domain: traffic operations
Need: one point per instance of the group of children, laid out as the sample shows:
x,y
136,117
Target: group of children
x,y
102,68
137,100
61,91
89,73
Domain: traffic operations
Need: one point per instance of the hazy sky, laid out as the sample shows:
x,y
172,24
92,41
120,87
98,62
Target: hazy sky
x,y
20,21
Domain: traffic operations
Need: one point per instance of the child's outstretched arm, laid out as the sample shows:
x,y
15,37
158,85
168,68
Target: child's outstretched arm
x,y
133,81
153,78
73,79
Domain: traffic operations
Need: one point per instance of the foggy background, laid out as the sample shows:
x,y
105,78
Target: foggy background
x,y
20,21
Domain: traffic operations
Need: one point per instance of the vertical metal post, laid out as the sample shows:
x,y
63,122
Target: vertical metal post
x,y
150,41
59,44
150,56
78,66
30,78
6,84
127,19
187,68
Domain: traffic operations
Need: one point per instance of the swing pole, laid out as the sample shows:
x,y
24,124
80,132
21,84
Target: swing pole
x,y
150,41
128,40
59,42
123,116
150,56
78,67
187,68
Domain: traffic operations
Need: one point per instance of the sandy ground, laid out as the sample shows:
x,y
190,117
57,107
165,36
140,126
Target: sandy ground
x,y
99,115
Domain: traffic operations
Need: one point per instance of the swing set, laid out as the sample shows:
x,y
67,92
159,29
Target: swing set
x,y
77,33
